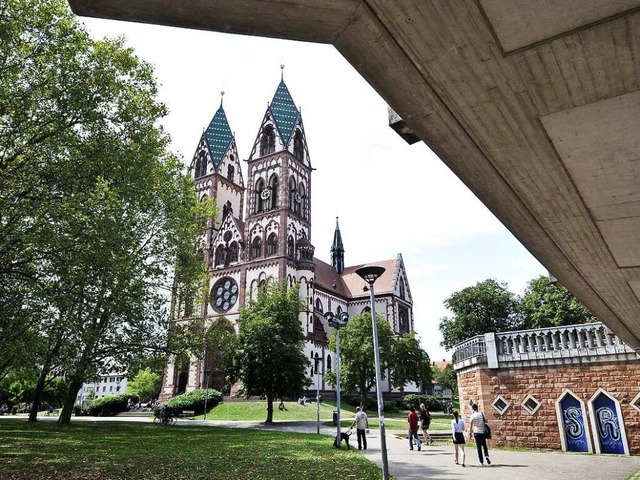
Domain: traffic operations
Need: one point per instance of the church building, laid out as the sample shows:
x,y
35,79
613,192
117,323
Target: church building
x,y
263,232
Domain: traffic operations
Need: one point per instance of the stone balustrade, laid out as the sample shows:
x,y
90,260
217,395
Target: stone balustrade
x,y
583,343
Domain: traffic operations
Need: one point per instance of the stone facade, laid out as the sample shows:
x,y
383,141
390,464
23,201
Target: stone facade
x,y
262,233
521,397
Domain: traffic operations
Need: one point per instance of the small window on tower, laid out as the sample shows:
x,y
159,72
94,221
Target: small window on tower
x,y
219,255
267,141
290,247
298,145
232,255
272,244
230,172
256,248
260,196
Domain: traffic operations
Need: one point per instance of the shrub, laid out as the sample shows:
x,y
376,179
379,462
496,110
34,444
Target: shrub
x,y
431,402
193,400
109,405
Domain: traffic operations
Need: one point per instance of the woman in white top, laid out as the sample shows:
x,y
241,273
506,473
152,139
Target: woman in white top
x,y
457,429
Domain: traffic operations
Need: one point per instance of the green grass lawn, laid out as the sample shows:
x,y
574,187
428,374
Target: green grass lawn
x,y
257,411
114,450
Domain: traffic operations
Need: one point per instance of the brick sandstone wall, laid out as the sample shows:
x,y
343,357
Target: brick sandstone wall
x,y
518,428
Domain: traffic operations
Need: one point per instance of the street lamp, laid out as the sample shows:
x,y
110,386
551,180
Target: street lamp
x,y
337,322
370,275
206,391
317,360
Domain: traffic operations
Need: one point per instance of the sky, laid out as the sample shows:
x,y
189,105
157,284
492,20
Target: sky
x,y
390,197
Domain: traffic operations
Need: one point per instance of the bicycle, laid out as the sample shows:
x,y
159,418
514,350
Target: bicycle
x,y
165,417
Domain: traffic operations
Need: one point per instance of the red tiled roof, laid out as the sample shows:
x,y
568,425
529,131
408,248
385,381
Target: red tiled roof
x,y
355,284
350,284
441,365
327,277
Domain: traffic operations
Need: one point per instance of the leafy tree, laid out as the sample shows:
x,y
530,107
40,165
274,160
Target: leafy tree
x,y
145,385
269,360
94,213
547,304
485,307
410,363
357,358
446,378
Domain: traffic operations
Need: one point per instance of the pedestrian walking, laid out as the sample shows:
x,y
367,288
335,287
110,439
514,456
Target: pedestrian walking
x,y
477,425
425,421
361,422
412,419
457,430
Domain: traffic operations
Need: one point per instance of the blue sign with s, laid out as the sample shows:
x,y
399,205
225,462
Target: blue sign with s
x,y
574,424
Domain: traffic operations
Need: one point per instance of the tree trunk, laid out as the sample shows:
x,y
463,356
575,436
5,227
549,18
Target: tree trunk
x,y
69,401
37,396
269,409
363,399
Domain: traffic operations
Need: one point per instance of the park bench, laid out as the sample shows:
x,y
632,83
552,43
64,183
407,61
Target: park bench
x,y
187,414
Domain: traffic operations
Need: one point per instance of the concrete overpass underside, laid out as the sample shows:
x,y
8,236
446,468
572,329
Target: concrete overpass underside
x,y
535,105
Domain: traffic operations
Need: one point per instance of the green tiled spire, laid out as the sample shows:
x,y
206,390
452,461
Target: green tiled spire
x,y
284,111
218,136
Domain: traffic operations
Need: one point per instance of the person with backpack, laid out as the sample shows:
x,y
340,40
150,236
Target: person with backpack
x,y
477,432
425,421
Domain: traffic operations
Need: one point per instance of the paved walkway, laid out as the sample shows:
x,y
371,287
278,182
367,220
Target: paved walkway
x,y
436,461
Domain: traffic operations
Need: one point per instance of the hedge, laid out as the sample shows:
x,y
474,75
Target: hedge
x,y
193,400
431,402
109,405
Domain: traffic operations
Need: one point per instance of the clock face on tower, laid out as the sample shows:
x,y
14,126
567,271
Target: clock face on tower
x,y
297,197
266,193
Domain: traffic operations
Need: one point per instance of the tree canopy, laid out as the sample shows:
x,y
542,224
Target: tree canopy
x,y
489,307
269,360
357,357
96,215
485,307
410,363
549,304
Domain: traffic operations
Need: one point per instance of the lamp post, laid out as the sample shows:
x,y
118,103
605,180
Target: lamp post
x,y
370,275
337,322
206,391
317,360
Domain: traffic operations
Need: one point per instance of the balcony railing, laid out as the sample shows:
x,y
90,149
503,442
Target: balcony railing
x,y
572,341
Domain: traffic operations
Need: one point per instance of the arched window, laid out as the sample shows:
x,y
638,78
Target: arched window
x,y
292,193
230,172
232,255
303,208
338,311
328,363
291,251
256,248
258,196
272,244
403,321
267,141
402,290
298,145
366,310
319,305
219,260
201,165
226,210
273,187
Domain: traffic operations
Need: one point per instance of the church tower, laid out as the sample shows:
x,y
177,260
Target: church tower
x,y
278,210
216,169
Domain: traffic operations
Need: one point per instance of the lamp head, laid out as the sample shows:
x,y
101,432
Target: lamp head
x,y
344,317
328,316
370,274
